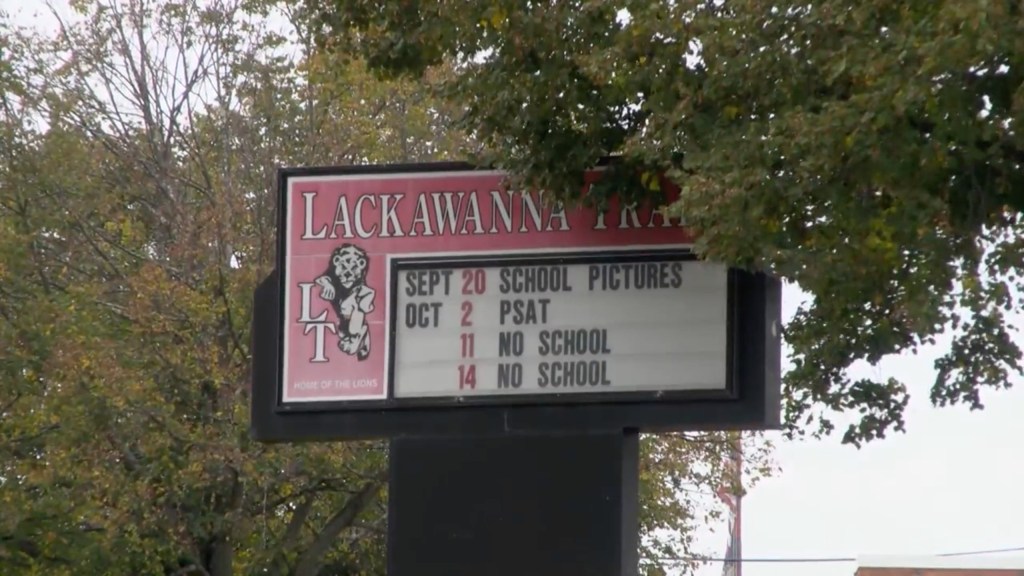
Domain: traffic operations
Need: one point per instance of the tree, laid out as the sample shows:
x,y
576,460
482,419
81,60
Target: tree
x,y
138,149
867,152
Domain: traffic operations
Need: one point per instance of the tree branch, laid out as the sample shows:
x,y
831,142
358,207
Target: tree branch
x,y
309,562
190,570
25,438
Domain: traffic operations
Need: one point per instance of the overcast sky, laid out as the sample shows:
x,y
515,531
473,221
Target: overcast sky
x,y
953,483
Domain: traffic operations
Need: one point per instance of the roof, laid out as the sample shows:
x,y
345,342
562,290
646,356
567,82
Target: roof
x,y
944,562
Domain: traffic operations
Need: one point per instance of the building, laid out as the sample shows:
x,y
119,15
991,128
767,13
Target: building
x,y
940,566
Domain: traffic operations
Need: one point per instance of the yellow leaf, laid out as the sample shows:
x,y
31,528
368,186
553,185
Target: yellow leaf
x,y
650,181
498,16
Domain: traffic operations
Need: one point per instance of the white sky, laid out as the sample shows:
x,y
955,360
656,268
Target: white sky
x,y
952,483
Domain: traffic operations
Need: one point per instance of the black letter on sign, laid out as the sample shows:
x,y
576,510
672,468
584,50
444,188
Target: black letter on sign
x,y
510,344
510,374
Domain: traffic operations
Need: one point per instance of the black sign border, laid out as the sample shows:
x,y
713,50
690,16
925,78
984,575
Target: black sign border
x,y
753,401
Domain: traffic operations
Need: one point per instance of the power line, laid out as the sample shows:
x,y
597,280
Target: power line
x,y
996,551
813,560
749,560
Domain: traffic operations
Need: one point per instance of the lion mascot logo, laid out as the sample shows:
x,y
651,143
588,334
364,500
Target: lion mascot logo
x,y
343,284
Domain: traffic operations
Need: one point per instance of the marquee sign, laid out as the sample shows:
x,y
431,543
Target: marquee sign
x,y
559,327
434,293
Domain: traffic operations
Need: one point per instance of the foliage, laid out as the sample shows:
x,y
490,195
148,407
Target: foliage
x,y
138,150
867,151
137,215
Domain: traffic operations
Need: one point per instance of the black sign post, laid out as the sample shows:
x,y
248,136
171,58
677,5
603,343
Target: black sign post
x,y
513,407
510,505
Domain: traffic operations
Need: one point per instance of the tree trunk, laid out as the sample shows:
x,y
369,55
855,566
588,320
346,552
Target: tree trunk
x,y
309,562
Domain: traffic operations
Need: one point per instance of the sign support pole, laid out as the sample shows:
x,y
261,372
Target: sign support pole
x,y
514,505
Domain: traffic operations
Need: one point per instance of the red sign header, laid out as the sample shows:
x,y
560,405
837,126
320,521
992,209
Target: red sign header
x,y
342,233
